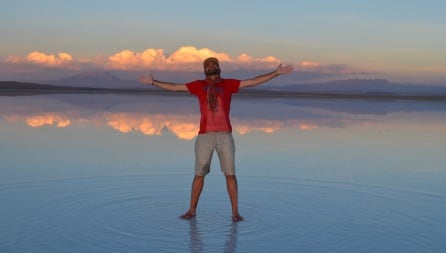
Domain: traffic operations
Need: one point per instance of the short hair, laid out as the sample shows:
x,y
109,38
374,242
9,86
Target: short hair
x,y
210,59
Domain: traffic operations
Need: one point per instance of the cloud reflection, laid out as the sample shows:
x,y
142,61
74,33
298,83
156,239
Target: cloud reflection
x,y
158,115
183,125
39,120
47,119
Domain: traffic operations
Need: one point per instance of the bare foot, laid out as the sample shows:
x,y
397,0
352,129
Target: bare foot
x,y
188,215
237,218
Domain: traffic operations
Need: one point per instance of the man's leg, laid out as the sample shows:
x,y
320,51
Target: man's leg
x,y
231,184
203,157
197,187
226,155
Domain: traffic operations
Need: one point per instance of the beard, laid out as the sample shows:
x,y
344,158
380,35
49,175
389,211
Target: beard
x,y
213,71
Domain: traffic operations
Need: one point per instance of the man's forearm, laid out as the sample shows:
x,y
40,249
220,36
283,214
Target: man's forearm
x,y
169,86
259,79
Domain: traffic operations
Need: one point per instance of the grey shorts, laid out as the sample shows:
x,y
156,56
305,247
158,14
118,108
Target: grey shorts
x,y
205,144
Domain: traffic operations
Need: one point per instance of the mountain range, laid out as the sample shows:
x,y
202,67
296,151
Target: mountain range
x,y
378,87
366,86
355,86
95,80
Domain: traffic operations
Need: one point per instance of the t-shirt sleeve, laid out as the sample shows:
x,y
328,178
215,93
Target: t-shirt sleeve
x,y
193,87
234,85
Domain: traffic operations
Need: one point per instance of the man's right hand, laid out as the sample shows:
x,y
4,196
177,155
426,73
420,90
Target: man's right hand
x,y
146,79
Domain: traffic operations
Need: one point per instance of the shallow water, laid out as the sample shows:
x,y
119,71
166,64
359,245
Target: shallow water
x,y
112,173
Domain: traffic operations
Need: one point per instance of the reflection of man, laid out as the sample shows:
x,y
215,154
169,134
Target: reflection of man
x,y
214,95
197,243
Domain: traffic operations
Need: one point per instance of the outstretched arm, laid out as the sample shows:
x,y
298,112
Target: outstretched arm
x,y
164,85
280,70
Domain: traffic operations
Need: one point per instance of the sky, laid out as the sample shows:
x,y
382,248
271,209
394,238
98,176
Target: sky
x,y
403,41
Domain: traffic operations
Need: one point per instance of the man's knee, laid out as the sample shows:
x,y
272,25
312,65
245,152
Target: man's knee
x,y
202,169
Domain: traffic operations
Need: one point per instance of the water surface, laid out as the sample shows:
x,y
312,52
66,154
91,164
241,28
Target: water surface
x,y
111,173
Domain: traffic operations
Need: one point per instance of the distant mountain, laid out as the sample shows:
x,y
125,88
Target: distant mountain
x,y
339,88
12,88
6,85
96,80
349,86
364,86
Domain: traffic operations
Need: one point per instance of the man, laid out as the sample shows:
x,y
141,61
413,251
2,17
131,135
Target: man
x,y
214,95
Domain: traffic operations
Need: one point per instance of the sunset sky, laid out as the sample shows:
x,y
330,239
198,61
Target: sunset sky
x,y
400,40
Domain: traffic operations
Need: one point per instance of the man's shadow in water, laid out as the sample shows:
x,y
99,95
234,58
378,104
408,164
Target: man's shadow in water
x,y
197,243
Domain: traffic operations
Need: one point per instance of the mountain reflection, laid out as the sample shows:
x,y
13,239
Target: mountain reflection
x,y
153,115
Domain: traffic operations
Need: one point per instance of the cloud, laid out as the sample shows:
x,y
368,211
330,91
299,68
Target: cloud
x,y
306,127
311,66
189,54
43,66
185,58
60,60
129,60
39,58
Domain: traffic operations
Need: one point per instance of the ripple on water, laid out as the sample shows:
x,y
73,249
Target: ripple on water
x,y
140,213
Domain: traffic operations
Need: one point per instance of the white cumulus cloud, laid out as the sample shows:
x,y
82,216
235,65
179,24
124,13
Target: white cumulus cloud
x,y
49,59
185,58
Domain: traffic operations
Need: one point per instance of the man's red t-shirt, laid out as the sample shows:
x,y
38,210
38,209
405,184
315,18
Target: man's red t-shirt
x,y
218,120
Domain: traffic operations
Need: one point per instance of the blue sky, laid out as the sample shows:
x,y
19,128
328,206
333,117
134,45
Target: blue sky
x,y
400,38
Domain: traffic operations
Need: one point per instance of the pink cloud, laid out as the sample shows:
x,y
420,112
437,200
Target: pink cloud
x,y
189,54
185,58
129,60
330,68
306,64
60,60
48,59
